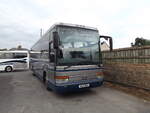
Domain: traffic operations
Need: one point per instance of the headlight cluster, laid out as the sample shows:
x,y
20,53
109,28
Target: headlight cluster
x,y
99,74
61,79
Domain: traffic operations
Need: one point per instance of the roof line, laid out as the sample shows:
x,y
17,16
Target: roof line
x,y
70,25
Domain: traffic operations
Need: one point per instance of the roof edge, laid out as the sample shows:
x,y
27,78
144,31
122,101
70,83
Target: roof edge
x,y
74,25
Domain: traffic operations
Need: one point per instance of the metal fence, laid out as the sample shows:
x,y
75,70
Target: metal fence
x,y
134,55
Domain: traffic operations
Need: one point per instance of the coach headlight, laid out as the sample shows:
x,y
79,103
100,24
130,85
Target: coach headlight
x,y
61,79
99,74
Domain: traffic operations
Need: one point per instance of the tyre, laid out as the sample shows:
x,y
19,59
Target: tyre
x,y
33,74
44,77
47,87
8,69
45,81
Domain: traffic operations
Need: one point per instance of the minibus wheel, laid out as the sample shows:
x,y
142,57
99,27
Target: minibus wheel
x,y
8,69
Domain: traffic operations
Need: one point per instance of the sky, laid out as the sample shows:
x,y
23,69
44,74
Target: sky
x,y
124,20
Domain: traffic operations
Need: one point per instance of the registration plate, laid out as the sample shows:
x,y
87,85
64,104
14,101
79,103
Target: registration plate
x,y
84,85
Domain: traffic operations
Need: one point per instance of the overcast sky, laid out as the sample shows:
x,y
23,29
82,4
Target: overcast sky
x,y
124,20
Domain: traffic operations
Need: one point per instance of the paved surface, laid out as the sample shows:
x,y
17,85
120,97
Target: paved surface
x,y
20,92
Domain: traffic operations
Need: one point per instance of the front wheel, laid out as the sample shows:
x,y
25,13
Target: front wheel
x,y
8,69
47,85
45,80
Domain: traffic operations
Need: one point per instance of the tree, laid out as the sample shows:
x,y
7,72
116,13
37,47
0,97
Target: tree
x,y
19,47
140,42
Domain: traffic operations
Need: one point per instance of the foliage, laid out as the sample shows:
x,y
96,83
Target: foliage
x,y
140,42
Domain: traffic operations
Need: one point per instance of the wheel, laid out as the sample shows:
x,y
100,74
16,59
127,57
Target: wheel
x,y
46,84
45,81
44,77
33,74
47,87
8,69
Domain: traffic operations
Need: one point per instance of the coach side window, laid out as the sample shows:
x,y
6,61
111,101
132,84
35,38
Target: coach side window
x,y
35,55
44,54
51,52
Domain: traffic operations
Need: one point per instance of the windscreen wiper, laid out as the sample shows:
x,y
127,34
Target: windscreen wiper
x,y
71,66
67,67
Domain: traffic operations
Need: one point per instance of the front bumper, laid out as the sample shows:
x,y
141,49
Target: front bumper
x,y
75,86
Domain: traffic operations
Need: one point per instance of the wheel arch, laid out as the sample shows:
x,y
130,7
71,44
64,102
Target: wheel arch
x,y
8,67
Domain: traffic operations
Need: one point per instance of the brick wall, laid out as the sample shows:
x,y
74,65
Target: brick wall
x,y
124,67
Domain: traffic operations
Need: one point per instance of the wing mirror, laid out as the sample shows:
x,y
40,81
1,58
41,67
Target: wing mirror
x,y
52,57
55,40
110,41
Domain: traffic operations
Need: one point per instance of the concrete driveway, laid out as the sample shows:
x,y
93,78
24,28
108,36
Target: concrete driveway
x,y
20,92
